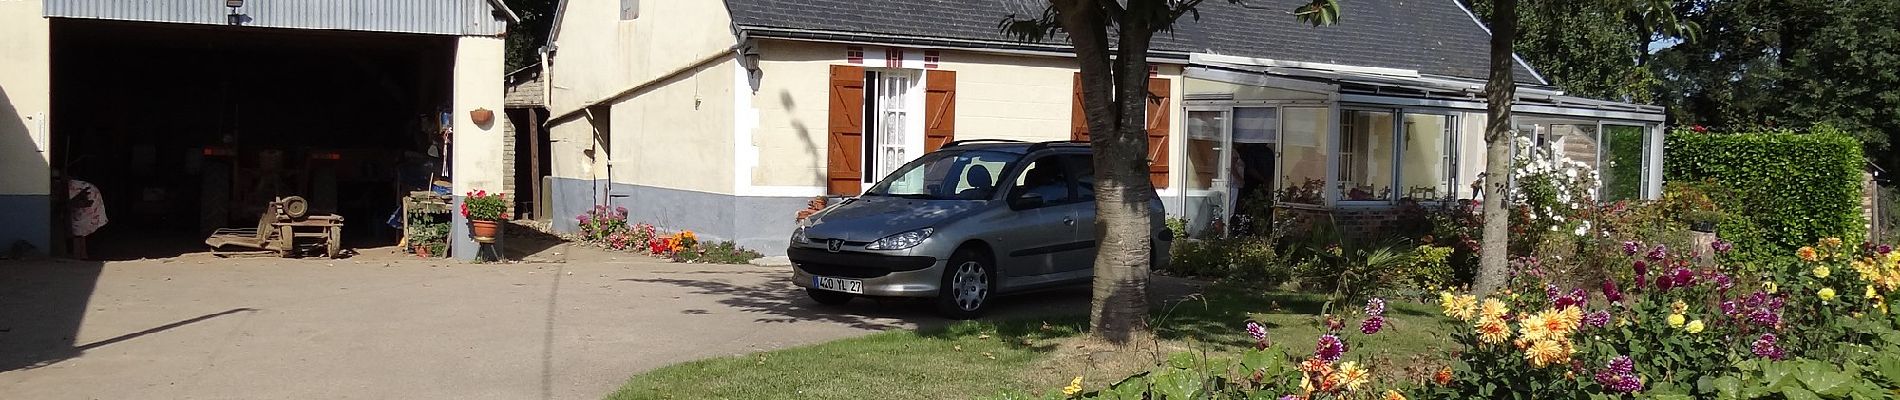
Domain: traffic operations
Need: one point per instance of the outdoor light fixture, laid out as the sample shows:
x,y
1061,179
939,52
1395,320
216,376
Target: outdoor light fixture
x,y
234,18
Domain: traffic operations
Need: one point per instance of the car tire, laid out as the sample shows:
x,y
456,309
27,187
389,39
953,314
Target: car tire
x,y
827,297
969,284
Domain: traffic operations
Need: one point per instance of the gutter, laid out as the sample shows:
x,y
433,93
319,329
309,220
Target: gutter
x,y
925,42
510,13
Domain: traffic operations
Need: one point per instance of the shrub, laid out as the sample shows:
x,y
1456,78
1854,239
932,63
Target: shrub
x,y
1797,187
606,226
720,252
1249,259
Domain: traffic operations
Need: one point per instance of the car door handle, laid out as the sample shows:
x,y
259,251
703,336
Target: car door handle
x,y
1068,221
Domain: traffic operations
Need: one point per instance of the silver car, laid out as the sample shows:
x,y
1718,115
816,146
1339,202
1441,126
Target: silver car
x,y
960,225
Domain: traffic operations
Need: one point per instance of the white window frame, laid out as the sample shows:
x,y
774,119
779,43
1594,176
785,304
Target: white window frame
x,y
1451,160
911,134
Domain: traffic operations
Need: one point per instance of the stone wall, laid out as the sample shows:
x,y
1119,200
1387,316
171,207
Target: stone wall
x,y
1354,223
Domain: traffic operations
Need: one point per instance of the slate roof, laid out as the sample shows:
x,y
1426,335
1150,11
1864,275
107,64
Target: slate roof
x,y
1436,37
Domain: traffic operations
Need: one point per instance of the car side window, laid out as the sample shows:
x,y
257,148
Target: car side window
x,y
1046,177
1082,167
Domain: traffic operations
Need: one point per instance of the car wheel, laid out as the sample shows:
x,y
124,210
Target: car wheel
x,y
968,283
827,297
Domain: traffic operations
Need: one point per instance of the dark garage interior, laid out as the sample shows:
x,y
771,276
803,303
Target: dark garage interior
x,y
185,129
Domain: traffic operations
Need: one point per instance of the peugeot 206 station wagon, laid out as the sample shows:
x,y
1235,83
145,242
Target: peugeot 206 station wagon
x,y
959,226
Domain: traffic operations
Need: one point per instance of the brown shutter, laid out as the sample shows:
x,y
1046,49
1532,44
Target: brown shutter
x,y
844,164
940,109
1159,111
1078,117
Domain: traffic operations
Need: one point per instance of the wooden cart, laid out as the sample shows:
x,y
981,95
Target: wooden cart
x,y
284,228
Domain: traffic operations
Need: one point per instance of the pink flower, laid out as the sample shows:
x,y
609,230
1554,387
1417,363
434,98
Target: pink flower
x,y
1372,325
1330,348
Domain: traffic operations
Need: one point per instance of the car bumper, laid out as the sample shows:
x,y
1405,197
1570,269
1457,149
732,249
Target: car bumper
x,y
883,275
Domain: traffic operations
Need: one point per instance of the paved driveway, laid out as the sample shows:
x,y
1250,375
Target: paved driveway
x,y
270,328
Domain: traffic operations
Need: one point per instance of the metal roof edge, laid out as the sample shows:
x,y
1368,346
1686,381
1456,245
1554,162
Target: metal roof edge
x,y
1487,33
503,8
820,35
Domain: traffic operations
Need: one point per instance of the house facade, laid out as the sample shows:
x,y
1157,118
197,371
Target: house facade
x,y
727,117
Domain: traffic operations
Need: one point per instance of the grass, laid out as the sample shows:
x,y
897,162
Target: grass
x,y
980,358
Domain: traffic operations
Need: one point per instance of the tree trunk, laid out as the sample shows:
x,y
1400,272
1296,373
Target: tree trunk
x,y
1493,262
1115,94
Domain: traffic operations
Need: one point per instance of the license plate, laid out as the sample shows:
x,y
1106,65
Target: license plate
x,y
838,285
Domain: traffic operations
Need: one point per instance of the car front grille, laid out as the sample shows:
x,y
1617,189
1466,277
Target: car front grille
x,y
854,264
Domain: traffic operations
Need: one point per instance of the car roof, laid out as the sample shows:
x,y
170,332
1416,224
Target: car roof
x,y
1016,147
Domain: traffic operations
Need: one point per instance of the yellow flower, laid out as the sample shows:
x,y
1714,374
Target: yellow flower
x,y
1534,326
1693,327
1770,287
1351,375
1458,306
1075,386
1393,395
1676,320
1826,294
1493,330
1678,307
1493,308
1548,352
1821,271
1871,293
1562,323
1807,254
1832,243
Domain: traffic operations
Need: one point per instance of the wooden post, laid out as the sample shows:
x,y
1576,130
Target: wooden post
x,y
534,163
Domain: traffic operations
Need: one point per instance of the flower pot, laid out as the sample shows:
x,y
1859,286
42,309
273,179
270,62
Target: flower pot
x,y
484,231
481,116
422,251
1703,226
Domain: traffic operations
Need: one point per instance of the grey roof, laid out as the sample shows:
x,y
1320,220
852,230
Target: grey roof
x,y
1437,37
441,17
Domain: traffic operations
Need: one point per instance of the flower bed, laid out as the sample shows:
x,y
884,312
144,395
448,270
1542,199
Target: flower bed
x,y
608,228
1816,325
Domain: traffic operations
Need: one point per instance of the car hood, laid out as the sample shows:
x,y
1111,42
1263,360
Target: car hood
x,y
871,218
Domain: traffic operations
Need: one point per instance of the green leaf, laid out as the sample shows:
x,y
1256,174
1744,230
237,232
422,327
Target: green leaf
x,y
1174,383
1726,388
1182,360
1796,393
1823,379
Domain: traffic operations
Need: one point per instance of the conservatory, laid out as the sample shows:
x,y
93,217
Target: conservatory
x,y
1353,143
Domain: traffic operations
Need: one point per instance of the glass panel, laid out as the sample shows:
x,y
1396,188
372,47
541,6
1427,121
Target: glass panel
x,y
1623,147
1203,149
1471,154
1302,174
1426,152
1256,125
1046,177
1366,156
948,175
892,121
1202,204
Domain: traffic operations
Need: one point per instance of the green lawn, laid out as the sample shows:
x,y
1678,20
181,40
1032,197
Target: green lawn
x,y
980,358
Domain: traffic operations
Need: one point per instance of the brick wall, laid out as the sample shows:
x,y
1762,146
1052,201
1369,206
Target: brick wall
x,y
508,161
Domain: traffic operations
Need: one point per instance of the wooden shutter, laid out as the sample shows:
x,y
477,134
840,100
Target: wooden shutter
x,y
940,109
1078,118
1159,112
844,163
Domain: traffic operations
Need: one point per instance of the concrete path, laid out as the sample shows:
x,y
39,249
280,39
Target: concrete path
x,y
409,329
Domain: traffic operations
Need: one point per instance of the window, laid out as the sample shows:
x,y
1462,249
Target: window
x,y
1083,169
1426,152
888,132
1046,177
954,175
629,10
1366,156
1204,148
1303,156
1624,150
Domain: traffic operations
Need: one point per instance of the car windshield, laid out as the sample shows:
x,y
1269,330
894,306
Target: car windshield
x,y
949,175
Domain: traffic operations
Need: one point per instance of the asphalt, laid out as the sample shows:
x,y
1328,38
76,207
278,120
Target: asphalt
x,y
368,328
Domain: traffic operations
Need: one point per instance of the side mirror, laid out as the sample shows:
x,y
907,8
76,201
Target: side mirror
x,y
1025,201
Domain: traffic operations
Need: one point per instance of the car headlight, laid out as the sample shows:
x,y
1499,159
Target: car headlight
x,y
901,241
798,236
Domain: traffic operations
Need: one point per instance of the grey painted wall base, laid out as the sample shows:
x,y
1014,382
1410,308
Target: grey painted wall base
x,y
26,218
461,245
763,224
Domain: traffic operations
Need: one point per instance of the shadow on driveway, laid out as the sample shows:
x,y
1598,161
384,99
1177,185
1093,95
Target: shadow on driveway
x,y
783,302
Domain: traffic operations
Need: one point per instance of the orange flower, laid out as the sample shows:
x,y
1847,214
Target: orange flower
x,y
1807,254
1443,377
1493,330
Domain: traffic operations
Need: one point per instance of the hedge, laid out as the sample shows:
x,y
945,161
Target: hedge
x,y
1797,187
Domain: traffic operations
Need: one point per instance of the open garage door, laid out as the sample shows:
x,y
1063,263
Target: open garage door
x,y
188,128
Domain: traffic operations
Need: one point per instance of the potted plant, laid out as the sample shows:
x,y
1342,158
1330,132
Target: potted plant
x,y
485,212
1703,220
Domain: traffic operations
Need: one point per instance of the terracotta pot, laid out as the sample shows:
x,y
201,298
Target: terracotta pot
x,y
484,231
422,251
481,116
